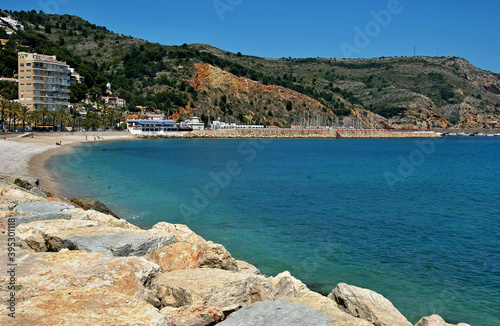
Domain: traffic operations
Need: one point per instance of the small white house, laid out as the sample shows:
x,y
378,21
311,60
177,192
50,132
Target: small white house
x,y
194,123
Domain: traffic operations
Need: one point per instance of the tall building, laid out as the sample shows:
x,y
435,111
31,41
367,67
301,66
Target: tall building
x,y
43,81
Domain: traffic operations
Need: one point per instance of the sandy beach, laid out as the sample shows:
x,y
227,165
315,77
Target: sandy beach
x,y
26,157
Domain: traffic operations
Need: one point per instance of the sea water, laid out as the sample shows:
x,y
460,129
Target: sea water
x,y
415,220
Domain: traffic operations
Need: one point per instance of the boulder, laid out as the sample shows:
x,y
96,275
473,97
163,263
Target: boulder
x,y
90,236
192,316
368,305
12,195
184,255
181,232
42,207
436,320
45,272
285,285
88,204
276,313
329,308
247,268
84,306
226,290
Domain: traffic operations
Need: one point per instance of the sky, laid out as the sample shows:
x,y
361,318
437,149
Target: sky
x,y
302,29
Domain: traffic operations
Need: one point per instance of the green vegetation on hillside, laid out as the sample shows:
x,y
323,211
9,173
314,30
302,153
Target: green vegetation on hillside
x,y
161,77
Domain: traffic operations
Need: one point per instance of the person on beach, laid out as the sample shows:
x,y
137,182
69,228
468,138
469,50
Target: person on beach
x,y
37,183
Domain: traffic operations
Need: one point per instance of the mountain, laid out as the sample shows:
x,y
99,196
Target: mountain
x,y
199,79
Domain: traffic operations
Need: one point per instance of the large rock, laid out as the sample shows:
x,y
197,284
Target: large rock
x,y
277,313
180,231
211,287
247,268
436,320
84,306
12,195
192,316
368,305
45,272
91,236
329,308
89,204
184,255
289,288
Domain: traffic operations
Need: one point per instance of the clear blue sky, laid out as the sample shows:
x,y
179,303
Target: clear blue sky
x,y
298,29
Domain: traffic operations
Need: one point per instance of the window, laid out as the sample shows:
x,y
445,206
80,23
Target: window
x,y
28,65
21,64
21,71
28,71
21,78
28,78
28,85
22,85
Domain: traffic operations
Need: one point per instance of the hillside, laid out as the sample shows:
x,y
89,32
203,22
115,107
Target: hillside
x,y
202,80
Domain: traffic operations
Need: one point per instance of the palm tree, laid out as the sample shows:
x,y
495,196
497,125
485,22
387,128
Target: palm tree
x,y
13,113
44,111
75,116
24,115
92,120
35,116
51,116
114,115
4,108
103,108
62,116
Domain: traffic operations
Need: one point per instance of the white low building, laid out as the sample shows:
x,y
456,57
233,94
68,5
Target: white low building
x,y
194,123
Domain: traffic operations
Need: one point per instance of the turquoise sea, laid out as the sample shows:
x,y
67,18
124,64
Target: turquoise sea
x,y
415,220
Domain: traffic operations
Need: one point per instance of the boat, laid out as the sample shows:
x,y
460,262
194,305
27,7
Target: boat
x,y
463,134
452,134
490,135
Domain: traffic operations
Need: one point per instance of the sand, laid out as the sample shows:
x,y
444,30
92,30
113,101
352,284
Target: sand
x,y
26,158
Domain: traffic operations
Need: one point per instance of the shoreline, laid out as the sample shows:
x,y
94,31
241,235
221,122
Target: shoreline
x,y
27,157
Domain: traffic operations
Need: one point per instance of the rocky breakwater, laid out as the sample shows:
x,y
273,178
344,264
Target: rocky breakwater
x,y
65,263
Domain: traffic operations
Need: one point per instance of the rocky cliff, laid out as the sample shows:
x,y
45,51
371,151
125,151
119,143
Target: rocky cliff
x,y
72,265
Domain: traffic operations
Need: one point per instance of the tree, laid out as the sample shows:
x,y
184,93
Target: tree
x,y
35,116
4,108
92,120
103,108
62,116
44,112
24,115
13,113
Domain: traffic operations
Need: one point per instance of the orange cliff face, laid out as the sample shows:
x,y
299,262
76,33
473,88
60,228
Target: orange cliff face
x,y
251,98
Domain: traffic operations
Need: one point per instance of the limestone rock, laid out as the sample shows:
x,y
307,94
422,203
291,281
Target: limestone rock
x,y
45,272
91,236
435,320
329,308
88,204
84,306
192,316
285,285
211,287
180,231
277,313
247,268
184,255
368,305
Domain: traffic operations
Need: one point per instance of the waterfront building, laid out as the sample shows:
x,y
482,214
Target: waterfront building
x,y
43,81
194,123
